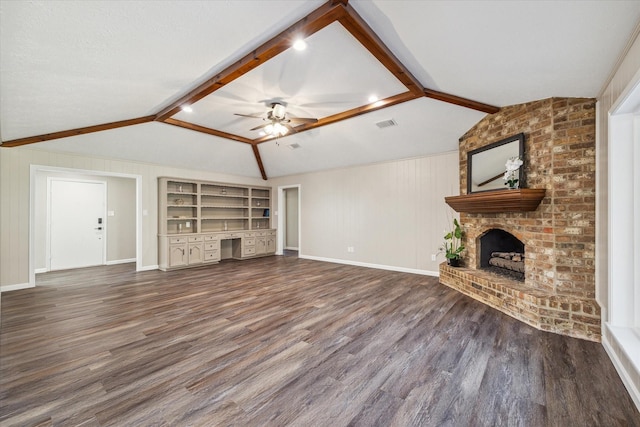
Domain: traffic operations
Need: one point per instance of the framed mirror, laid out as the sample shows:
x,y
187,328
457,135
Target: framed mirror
x,y
486,165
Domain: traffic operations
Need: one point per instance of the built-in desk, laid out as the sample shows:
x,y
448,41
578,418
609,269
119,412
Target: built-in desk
x,y
188,250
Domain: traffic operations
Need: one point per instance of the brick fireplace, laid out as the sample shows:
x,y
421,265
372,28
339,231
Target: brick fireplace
x,y
558,291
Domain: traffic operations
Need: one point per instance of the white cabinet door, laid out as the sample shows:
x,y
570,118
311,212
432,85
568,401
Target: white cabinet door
x,y
261,246
178,255
196,253
271,244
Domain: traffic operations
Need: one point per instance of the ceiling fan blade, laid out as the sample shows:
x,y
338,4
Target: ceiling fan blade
x,y
303,120
290,128
253,116
260,127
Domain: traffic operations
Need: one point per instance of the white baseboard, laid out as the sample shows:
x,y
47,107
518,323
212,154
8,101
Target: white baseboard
x,y
16,287
41,270
614,349
121,261
291,248
370,265
148,267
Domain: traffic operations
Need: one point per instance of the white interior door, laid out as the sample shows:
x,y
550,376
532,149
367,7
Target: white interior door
x,y
76,223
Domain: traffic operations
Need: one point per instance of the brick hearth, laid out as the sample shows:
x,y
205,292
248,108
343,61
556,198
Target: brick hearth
x,y
558,294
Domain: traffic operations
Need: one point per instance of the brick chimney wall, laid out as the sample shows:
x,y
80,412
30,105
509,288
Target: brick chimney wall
x,y
559,156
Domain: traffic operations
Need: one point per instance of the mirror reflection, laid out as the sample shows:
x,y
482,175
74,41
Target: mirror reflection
x,y
486,165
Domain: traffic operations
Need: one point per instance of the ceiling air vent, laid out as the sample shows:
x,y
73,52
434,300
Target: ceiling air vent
x,y
294,146
386,123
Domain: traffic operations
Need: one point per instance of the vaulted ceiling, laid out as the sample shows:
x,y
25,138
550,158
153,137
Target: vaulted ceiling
x,y
110,79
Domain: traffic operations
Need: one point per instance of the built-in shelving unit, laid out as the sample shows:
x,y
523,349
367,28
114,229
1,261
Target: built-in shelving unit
x,y
202,221
516,200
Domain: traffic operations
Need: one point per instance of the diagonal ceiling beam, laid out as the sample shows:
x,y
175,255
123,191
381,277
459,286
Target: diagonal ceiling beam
x,y
77,131
256,153
203,129
463,102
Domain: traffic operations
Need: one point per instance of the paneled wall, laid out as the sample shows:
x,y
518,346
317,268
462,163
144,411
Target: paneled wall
x,y
14,196
392,214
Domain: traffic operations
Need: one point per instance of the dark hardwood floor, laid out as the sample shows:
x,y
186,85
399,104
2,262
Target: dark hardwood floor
x,y
285,341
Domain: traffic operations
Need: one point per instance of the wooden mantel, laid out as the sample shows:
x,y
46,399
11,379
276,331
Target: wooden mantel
x,y
517,200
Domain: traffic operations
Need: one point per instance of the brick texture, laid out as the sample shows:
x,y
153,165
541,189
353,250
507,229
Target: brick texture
x,y
558,294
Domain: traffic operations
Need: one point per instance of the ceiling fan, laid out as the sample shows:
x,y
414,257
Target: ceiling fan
x,y
278,123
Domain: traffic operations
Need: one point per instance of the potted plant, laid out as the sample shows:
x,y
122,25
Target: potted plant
x,y
453,246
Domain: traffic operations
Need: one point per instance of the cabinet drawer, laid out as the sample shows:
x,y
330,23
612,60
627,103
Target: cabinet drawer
x,y
177,240
271,233
250,241
251,250
193,239
232,236
211,255
249,234
261,233
210,246
210,237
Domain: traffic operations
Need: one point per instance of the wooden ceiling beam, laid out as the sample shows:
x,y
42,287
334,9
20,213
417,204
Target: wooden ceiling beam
x,y
315,21
76,132
203,129
256,153
353,22
463,102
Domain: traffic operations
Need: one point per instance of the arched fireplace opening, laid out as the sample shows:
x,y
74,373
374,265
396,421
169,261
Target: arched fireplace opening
x,y
503,253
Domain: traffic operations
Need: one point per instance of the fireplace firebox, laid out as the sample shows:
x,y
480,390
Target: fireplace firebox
x,y
503,253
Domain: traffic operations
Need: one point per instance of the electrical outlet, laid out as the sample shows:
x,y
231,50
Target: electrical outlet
x,y
433,257
350,249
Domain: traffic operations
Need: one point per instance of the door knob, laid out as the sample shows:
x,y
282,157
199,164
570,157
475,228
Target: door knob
x,y
98,228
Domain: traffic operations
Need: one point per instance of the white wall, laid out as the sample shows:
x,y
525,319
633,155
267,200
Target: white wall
x,y
618,337
393,214
14,201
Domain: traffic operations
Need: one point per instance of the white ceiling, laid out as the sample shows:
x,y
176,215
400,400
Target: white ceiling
x,y
69,64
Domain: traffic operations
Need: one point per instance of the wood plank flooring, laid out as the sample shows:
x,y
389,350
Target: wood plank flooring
x,y
282,341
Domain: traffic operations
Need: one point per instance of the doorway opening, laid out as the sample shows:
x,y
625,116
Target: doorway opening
x,y
122,219
289,238
76,223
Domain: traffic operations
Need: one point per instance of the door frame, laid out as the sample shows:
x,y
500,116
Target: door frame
x,y
33,169
50,180
281,219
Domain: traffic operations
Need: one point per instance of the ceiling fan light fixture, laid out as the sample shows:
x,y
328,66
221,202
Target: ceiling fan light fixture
x,y
278,129
278,111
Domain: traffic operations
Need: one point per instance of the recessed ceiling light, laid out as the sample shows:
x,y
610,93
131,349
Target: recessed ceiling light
x,y
373,98
300,44
187,109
